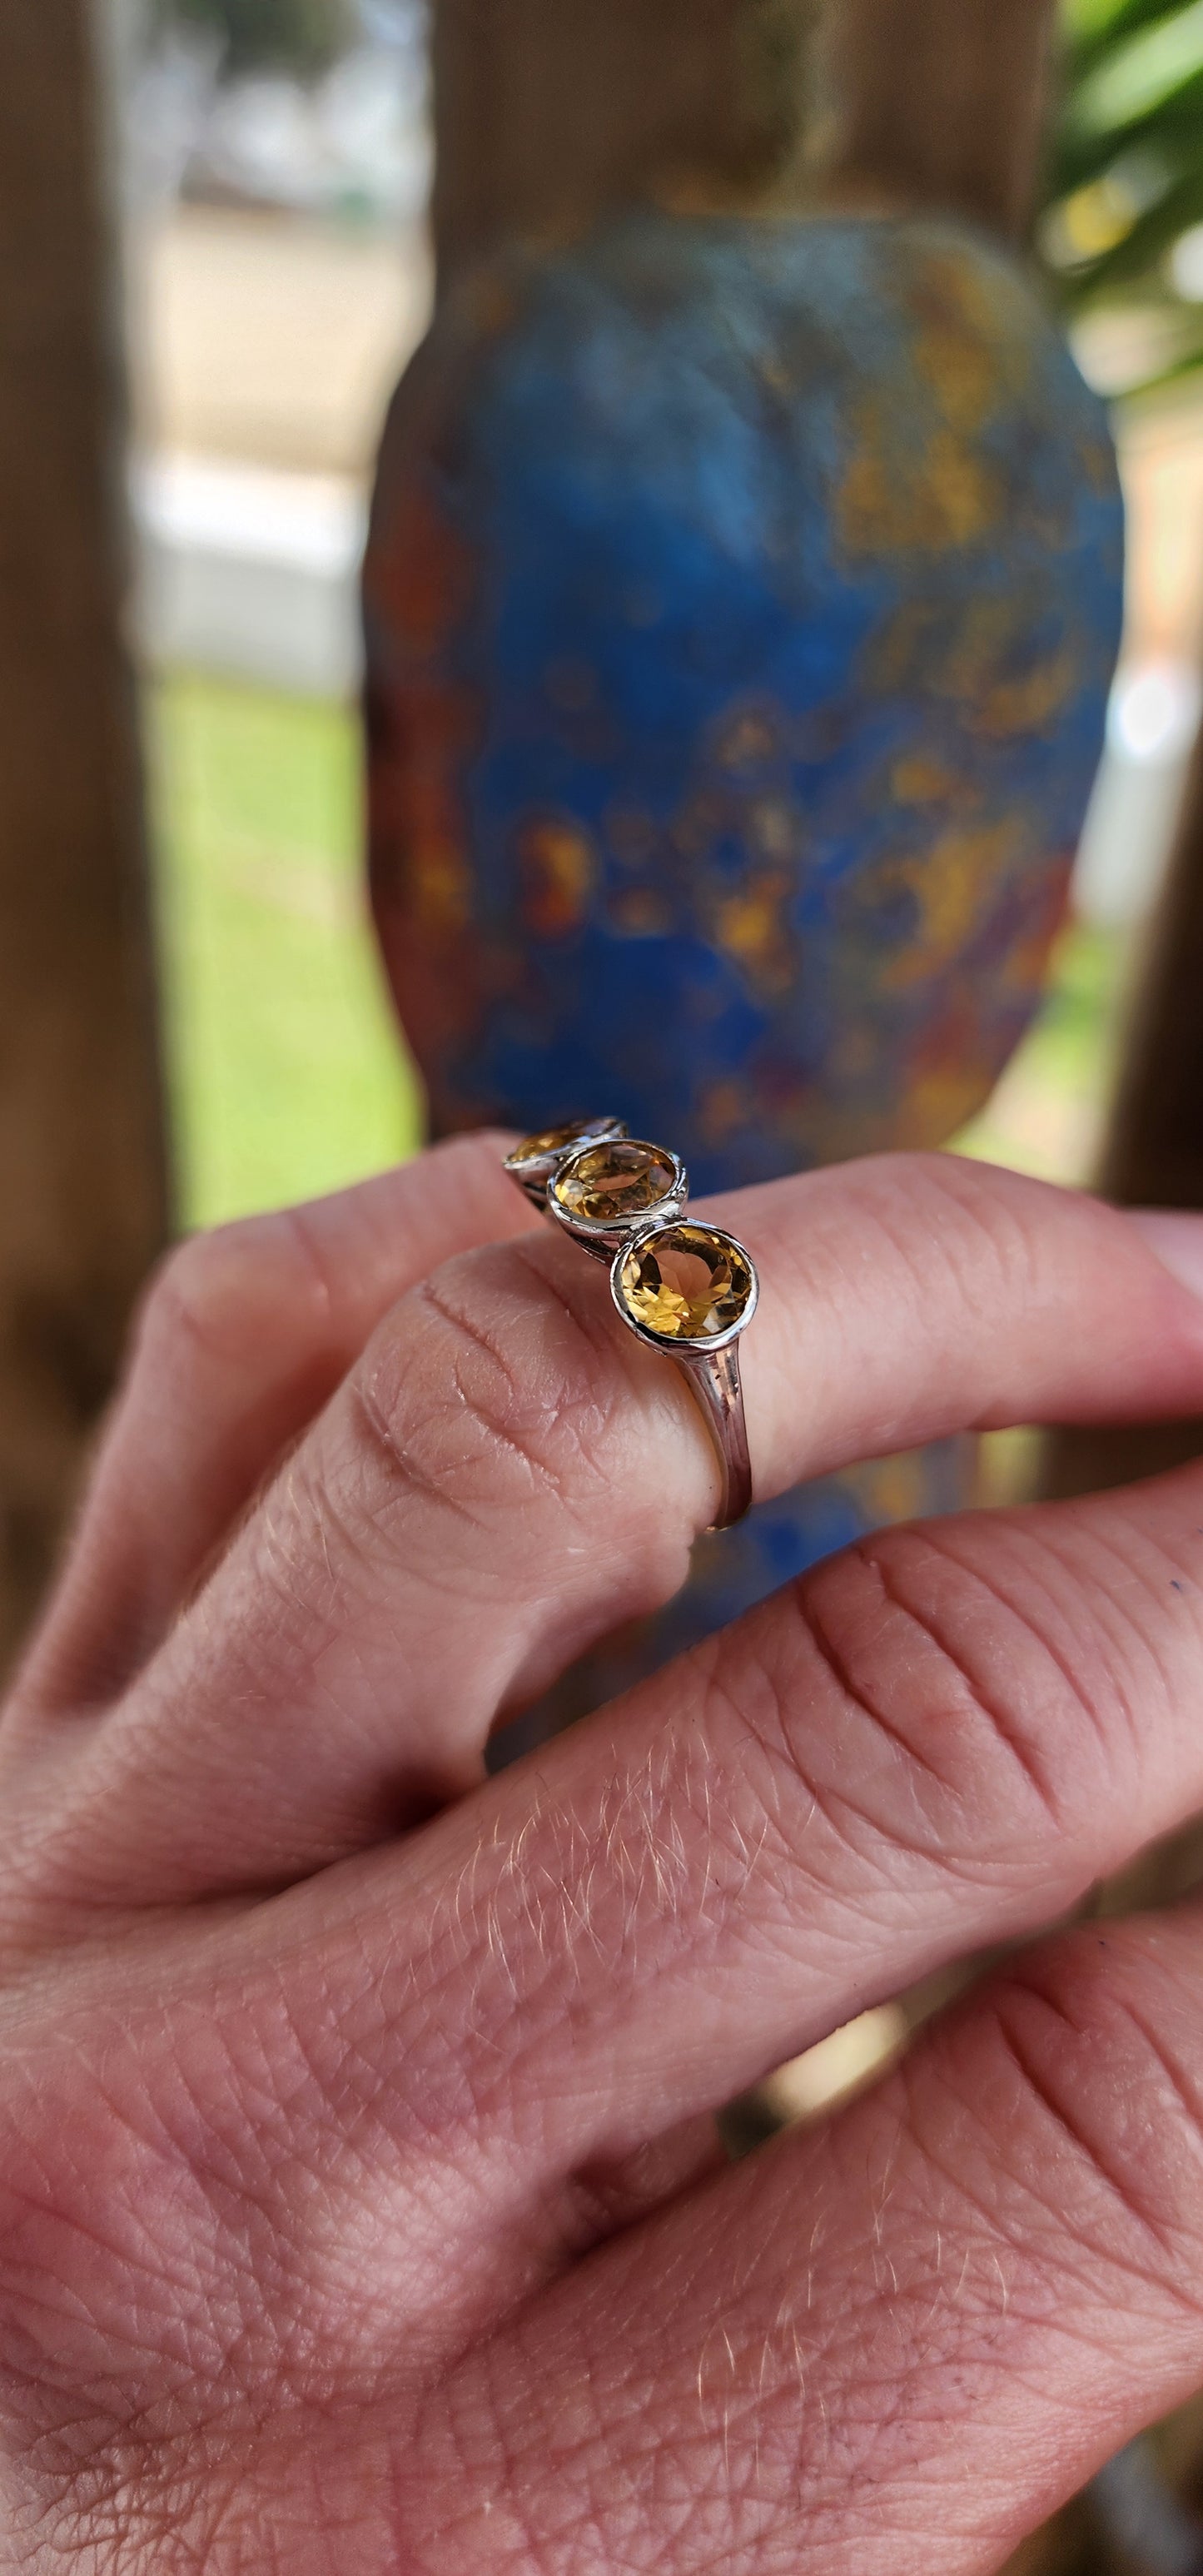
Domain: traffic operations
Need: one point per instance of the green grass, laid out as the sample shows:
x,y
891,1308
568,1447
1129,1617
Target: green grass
x,y
286,1072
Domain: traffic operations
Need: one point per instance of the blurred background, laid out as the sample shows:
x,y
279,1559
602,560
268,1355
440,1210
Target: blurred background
x,y
216,261
276,160
275,172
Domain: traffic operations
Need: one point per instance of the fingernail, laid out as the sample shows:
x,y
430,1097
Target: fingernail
x,y
1177,1242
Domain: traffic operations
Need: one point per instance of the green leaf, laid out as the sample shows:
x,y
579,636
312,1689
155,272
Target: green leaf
x,y
1124,176
1091,25
1175,136
1141,251
1092,28
1142,75
1183,368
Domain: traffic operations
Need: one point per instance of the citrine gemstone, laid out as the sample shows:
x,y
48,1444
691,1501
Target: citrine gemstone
x,y
609,1182
553,1140
688,1284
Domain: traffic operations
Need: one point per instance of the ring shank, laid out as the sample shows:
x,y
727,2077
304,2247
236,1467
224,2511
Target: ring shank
x,y
713,1380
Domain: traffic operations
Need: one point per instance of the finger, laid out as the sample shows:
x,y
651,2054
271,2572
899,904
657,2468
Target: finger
x,y
241,1340
507,1474
891,2345
933,1744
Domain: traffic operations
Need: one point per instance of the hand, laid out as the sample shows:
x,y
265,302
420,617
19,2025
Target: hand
x,y
360,2210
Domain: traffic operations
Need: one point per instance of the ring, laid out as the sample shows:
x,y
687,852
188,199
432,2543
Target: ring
x,y
686,1289
534,1162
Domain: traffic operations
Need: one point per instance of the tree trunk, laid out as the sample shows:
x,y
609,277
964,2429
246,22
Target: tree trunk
x,y
81,1149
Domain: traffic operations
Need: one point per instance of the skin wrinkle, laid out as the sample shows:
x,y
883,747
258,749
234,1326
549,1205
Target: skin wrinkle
x,y
381,1558
692,2483
584,1899
941,1537
404,1479
1130,2274
1061,2114
159,2150
1111,1531
278,2199
142,2206
584,1406
916,1248
36,2361
940,1540
193,2514
853,1692
810,1883
1143,1591
745,2422
1124,2179
283,1511
775,1736
586,1420
405,1482
1125,1578
1063,2210
1015,1248
787,1736
992,1711
650,1798
575,1418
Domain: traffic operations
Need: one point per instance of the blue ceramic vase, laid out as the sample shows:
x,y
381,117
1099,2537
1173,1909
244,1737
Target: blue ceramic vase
x,y
742,601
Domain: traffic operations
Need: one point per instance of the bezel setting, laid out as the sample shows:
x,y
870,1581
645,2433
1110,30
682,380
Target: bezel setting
x,y
604,1236
535,1162
683,1347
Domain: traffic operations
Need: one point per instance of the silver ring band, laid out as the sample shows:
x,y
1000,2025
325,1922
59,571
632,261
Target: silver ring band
x,y
686,1289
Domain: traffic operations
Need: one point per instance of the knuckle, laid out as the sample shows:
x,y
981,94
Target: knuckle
x,y
188,1299
978,1696
1100,2037
216,1293
489,1389
916,1700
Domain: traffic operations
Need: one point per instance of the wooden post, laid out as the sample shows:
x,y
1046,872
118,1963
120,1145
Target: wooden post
x,y
83,1209
548,110
939,103
1154,1156
1155,1153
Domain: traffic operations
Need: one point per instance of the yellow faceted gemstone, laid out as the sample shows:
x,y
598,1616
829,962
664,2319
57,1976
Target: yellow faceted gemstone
x,y
688,1285
614,1181
552,1140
